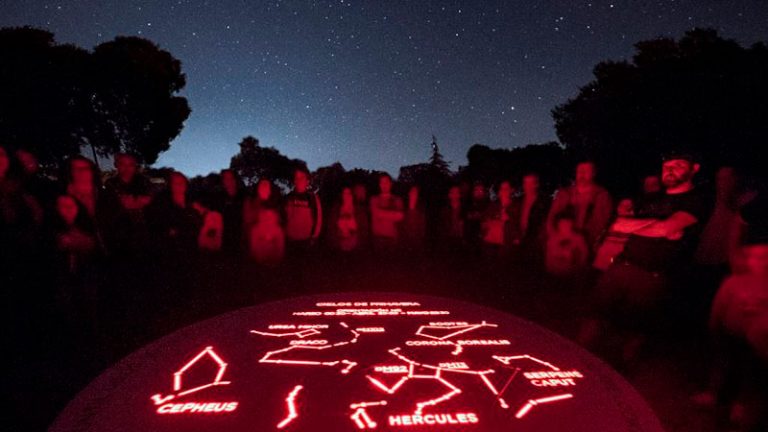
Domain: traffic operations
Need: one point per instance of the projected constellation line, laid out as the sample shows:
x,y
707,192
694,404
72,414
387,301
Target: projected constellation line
x,y
269,357
438,371
299,334
461,328
291,404
158,399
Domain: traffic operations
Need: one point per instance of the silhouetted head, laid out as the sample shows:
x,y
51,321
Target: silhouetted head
x,y
300,180
625,208
27,161
454,196
756,258
530,184
505,192
385,184
651,184
229,182
564,222
82,171
264,189
585,173
347,197
177,184
413,196
67,209
126,165
478,191
361,193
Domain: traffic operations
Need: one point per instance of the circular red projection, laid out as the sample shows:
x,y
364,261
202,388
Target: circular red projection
x,y
360,361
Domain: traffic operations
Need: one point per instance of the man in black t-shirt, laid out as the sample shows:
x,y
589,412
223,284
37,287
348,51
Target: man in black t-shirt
x,y
662,239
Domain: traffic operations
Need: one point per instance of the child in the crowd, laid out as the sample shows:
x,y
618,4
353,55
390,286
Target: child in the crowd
x,y
567,250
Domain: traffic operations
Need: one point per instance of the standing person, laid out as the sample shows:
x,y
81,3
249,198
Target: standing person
x,y
126,195
386,215
360,193
589,203
174,221
344,224
265,197
473,217
40,187
496,225
566,251
75,249
662,238
228,201
739,312
414,223
84,184
267,239
528,224
452,220
303,214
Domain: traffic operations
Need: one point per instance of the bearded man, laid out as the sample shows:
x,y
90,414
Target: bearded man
x,y
662,238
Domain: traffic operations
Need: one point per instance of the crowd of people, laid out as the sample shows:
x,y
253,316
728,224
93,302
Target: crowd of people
x,y
674,252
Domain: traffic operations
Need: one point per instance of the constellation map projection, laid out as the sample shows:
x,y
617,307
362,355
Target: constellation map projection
x,y
363,361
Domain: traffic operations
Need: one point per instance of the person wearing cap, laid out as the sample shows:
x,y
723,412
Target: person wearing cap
x,y
662,239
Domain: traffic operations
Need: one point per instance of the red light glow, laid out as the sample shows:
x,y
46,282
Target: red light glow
x,y
290,402
158,399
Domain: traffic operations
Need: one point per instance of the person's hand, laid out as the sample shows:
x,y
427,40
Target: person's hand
x,y
677,235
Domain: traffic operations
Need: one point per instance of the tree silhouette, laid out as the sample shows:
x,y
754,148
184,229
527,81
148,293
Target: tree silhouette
x,y
58,98
702,93
254,162
494,165
134,86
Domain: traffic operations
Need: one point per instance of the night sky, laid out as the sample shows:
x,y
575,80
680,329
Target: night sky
x,y
367,83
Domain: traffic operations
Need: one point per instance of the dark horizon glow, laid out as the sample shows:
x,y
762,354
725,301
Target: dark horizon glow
x,y
368,83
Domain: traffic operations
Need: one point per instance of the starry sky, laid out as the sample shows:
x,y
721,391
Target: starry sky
x,y
368,82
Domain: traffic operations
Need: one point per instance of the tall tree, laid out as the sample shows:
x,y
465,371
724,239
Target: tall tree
x,y
56,99
701,93
134,98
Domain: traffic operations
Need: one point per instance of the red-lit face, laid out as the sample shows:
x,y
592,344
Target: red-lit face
x,y
676,172
625,208
81,172
385,185
505,192
28,161
347,199
178,184
229,182
413,195
585,173
725,181
454,196
530,185
300,181
756,258
361,194
4,162
126,167
651,185
264,189
478,192
67,209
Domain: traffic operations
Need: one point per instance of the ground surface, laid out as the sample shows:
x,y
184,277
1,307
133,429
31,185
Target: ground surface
x,y
51,361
